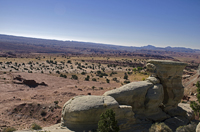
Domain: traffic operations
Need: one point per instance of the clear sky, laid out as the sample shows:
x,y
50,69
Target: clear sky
x,y
160,23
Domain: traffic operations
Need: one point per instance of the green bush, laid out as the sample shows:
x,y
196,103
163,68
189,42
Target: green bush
x,y
107,80
69,61
74,77
9,129
43,113
93,87
56,102
58,72
35,126
83,73
94,79
139,68
87,78
195,106
125,76
64,76
107,122
126,81
101,74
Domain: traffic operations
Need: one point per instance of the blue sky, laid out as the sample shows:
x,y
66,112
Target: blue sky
x,y
160,23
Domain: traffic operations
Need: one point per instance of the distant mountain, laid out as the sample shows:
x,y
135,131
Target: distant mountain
x,y
9,42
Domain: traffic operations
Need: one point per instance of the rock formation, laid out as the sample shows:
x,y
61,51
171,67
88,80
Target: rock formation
x,y
170,75
82,113
144,102
145,97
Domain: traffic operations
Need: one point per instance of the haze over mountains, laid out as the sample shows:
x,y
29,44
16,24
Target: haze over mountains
x,y
18,43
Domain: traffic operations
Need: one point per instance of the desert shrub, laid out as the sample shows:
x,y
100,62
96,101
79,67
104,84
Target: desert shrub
x,y
195,106
93,87
115,79
134,69
56,102
113,73
125,76
87,78
74,77
58,72
103,69
129,73
29,62
94,79
107,80
107,122
9,129
126,81
101,74
183,101
64,76
139,68
43,113
83,73
160,127
101,88
35,126
69,61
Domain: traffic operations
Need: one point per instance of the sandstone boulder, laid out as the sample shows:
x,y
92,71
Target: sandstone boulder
x,y
170,76
153,100
132,94
82,113
153,80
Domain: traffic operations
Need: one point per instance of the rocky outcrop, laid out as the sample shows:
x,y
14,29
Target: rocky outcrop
x,y
170,75
145,98
136,105
82,113
132,94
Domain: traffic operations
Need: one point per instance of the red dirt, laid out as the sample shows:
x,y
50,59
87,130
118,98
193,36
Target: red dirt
x,y
21,105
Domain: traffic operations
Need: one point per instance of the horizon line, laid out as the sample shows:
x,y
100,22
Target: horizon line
x,y
54,39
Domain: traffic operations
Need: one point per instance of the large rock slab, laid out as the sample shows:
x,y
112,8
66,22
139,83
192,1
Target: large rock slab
x,y
170,76
82,113
132,94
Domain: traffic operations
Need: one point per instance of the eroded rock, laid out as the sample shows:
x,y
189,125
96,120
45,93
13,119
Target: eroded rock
x,y
132,94
153,100
170,75
82,113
